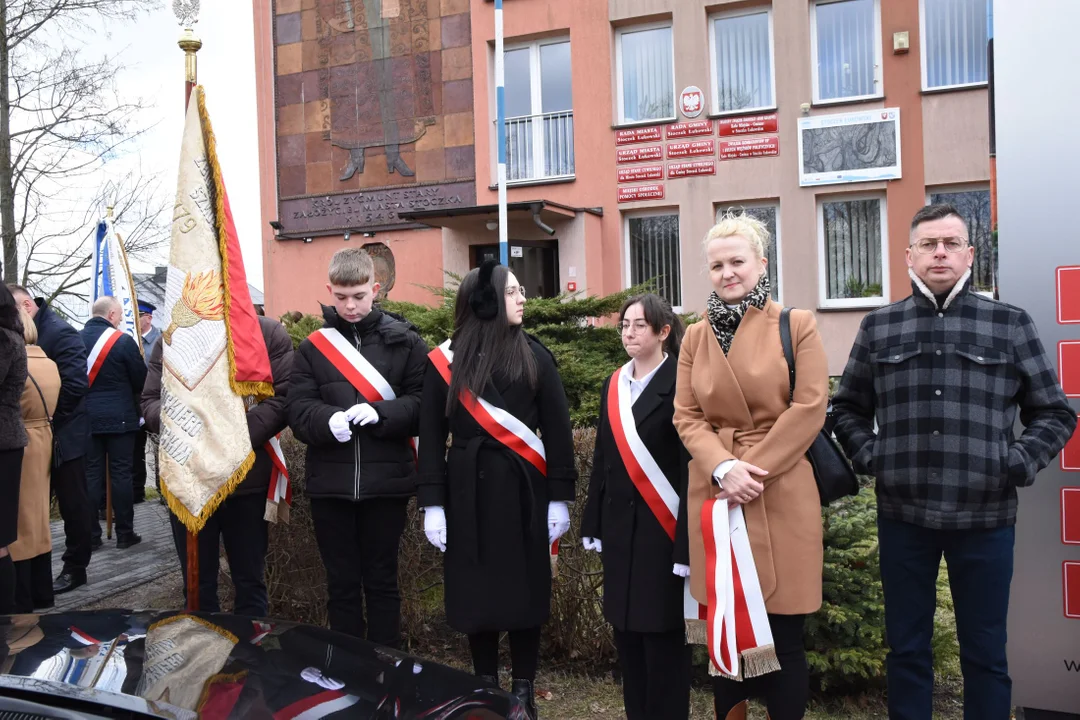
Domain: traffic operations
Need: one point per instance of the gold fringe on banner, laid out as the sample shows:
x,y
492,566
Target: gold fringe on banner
x,y
195,523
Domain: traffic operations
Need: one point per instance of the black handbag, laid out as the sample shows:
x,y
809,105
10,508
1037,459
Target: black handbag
x,y
832,471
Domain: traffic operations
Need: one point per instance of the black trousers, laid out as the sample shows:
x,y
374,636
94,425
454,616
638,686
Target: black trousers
x,y
358,542
117,450
33,583
239,523
524,653
138,467
656,674
68,482
785,691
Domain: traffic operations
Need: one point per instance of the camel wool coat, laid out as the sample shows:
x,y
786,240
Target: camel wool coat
x,y
34,535
736,407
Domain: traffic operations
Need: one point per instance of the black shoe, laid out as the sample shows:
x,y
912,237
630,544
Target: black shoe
x,y
138,499
527,694
125,542
96,543
68,581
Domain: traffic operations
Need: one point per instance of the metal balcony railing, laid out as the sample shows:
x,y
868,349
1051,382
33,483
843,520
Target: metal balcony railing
x,y
540,147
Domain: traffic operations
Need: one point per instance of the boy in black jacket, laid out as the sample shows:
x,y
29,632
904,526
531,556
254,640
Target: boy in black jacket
x,y
355,401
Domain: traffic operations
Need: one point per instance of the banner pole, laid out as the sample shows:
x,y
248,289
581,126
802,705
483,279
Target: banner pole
x,y
190,45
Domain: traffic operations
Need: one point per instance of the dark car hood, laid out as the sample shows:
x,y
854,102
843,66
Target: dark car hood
x,y
204,665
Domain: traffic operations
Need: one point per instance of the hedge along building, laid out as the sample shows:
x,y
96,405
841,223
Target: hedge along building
x,y
631,124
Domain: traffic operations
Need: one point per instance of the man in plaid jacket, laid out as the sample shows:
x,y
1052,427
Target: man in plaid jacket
x,y
944,373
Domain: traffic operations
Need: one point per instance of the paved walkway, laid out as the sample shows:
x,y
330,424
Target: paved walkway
x,y
113,571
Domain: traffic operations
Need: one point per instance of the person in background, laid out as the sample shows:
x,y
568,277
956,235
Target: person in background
x,y
494,508
71,437
150,337
32,552
928,405
355,401
116,376
239,521
748,435
13,440
150,334
637,489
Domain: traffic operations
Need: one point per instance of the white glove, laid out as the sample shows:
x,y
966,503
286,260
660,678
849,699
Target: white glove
x,y
142,421
680,570
593,544
314,675
339,426
558,520
362,414
435,526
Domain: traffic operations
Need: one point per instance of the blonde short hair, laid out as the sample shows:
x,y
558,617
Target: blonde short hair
x,y
28,326
350,267
743,225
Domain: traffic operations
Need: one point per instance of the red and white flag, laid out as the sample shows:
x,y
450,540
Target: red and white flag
x,y
279,494
740,640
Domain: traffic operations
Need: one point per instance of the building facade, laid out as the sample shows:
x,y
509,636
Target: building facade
x,y
631,124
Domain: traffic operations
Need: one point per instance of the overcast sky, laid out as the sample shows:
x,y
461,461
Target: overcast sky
x,y
154,70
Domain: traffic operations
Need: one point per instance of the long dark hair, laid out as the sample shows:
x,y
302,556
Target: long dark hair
x,y
9,311
658,313
482,346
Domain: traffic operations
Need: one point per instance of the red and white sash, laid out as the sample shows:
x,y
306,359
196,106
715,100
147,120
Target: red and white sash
x,y
640,465
738,626
99,352
360,373
279,495
500,424
317,706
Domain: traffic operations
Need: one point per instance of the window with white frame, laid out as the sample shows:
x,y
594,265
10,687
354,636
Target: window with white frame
x,y
973,204
852,251
846,45
653,250
741,45
769,215
645,60
954,39
539,111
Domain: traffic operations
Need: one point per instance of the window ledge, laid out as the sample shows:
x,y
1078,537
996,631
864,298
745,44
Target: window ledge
x,y
955,88
537,181
854,101
870,304
643,123
741,113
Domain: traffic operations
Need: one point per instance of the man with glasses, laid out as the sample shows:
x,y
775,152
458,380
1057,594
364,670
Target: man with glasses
x,y
944,373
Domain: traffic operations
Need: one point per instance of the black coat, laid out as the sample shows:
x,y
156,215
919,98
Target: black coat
x,y
378,461
62,344
497,567
112,402
640,592
264,420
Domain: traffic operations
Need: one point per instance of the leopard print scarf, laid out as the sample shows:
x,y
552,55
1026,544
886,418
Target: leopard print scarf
x,y
725,321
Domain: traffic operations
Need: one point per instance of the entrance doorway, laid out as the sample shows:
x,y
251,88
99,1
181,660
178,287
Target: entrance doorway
x,y
534,262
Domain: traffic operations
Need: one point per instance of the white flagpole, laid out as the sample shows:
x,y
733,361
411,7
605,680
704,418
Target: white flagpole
x,y
500,133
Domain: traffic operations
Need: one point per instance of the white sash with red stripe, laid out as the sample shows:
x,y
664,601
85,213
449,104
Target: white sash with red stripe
x,y
738,626
99,352
317,706
644,472
279,495
360,373
501,425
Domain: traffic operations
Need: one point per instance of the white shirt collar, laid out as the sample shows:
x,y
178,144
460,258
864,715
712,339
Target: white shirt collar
x,y
627,375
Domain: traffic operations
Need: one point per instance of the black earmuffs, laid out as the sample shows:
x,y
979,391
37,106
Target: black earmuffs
x,y
483,300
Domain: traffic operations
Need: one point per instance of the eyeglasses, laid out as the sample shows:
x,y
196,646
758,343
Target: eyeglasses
x,y
929,245
638,326
512,290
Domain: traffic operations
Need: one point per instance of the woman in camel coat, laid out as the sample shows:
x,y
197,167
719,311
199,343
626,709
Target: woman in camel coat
x,y
32,552
748,445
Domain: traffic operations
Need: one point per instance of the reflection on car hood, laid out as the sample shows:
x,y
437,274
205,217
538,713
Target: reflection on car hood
x,y
202,665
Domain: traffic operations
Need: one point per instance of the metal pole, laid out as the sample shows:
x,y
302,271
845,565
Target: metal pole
x,y
500,133
190,45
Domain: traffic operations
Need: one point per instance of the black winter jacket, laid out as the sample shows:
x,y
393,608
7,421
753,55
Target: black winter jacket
x,y
378,461
62,344
264,420
113,400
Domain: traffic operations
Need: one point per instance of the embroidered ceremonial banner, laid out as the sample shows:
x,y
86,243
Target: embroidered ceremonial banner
x,y
738,625
181,654
213,353
105,343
